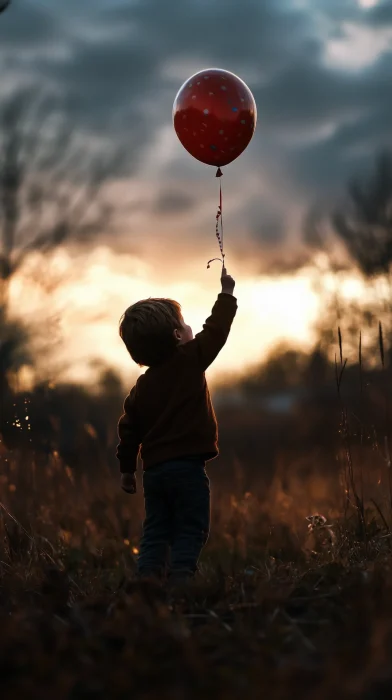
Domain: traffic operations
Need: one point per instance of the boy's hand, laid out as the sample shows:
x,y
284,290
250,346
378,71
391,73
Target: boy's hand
x,y
228,283
128,483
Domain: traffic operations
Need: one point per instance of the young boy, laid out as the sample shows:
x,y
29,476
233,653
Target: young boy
x,y
169,415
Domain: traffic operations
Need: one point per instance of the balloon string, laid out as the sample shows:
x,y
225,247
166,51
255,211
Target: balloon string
x,y
219,223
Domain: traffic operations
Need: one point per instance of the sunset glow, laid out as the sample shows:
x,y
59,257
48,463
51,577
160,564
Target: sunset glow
x,y
95,292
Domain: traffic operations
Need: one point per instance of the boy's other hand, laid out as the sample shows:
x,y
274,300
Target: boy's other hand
x,y
228,283
128,483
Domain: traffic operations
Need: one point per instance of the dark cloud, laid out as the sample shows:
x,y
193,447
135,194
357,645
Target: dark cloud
x,y
318,122
173,202
122,71
306,93
104,87
266,221
359,109
249,32
27,24
380,15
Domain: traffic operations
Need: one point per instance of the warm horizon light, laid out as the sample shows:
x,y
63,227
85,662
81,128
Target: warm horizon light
x,y
82,312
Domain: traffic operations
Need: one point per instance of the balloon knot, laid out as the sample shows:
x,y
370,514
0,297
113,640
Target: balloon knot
x,y
219,173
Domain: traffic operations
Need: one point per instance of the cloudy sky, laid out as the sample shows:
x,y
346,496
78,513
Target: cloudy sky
x,y
320,73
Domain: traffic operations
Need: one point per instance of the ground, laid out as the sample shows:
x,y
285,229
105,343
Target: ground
x,y
267,616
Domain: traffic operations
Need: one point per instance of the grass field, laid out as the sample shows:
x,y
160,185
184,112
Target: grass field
x,y
276,611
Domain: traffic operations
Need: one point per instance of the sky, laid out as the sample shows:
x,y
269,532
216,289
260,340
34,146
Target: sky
x,y
320,73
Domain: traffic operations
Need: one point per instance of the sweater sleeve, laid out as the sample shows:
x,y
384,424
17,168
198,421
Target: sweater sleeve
x,y
209,342
129,445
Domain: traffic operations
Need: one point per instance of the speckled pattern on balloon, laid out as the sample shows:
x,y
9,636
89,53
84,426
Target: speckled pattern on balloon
x,y
212,109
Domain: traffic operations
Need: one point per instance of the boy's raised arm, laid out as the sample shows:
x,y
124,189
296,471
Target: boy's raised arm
x,y
210,341
129,445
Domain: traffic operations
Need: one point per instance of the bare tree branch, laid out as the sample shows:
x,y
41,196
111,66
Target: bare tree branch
x,y
51,186
52,190
364,222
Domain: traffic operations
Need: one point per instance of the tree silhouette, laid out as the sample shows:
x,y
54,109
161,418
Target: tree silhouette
x,y
51,184
4,4
364,222
51,191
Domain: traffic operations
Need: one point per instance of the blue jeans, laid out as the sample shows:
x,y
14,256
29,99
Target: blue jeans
x,y
177,522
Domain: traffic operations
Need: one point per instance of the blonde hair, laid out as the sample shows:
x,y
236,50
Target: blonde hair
x,y
147,330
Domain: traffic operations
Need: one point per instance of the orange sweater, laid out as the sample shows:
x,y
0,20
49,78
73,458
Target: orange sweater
x,y
168,413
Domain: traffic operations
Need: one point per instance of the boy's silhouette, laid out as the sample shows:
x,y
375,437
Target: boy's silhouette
x,y
169,417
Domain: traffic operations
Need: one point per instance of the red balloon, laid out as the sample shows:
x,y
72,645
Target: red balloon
x,y
214,115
